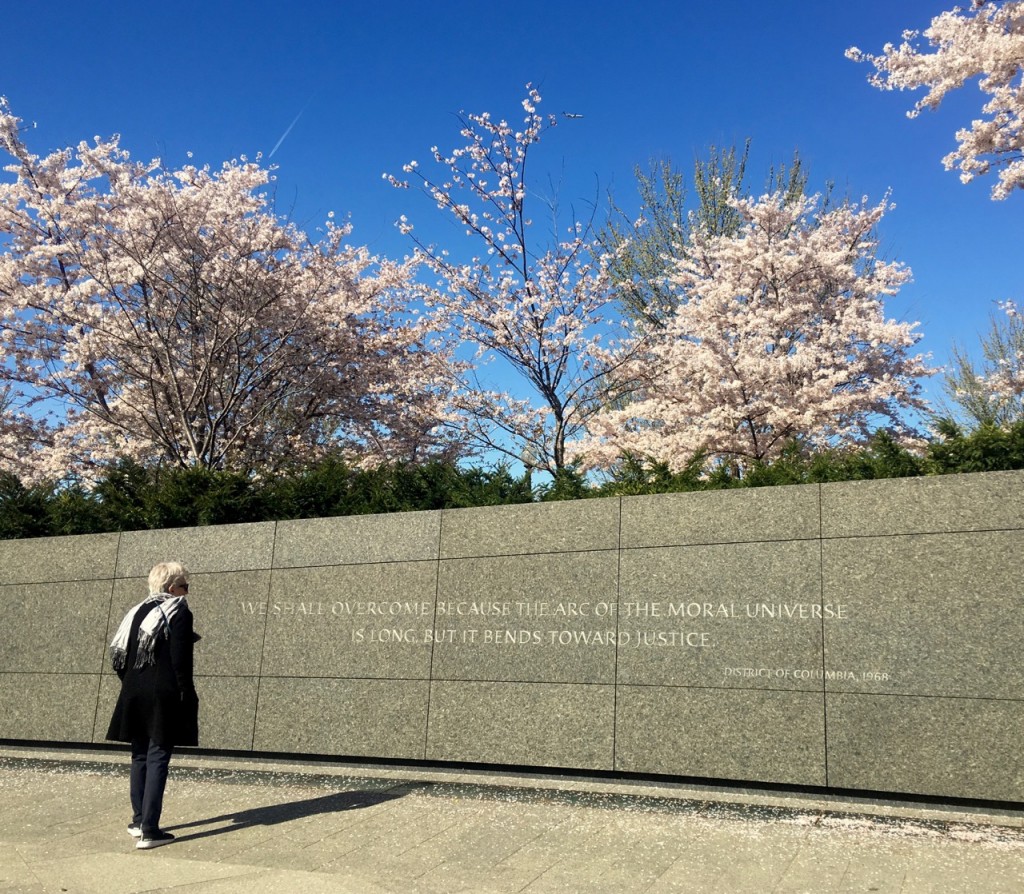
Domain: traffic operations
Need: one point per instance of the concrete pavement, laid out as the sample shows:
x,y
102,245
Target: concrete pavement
x,y
254,826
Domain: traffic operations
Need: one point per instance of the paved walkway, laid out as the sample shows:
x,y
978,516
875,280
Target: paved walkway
x,y
248,827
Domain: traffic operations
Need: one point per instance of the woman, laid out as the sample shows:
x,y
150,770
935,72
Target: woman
x,y
158,707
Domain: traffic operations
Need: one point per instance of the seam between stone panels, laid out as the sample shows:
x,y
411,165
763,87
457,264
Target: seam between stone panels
x,y
572,683
813,539
440,680
720,688
106,629
821,602
549,552
61,673
348,677
615,669
263,642
608,550
857,692
954,533
433,627
973,698
65,580
304,567
46,583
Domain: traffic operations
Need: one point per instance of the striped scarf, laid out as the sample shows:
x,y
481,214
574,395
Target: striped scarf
x,y
157,622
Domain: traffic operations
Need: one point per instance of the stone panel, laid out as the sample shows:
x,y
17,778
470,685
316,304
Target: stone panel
x,y
56,627
227,710
743,615
353,539
952,747
110,686
728,620
352,621
531,724
214,548
545,618
226,614
721,516
530,528
45,559
743,735
353,718
48,707
928,614
934,504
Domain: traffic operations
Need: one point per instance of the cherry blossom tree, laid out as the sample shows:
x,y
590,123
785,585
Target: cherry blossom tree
x,y
644,250
546,310
985,42
168,315
20,434
1005,352
990,393
783,336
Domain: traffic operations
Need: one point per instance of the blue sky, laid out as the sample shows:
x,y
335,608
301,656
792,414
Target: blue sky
x,y
378,84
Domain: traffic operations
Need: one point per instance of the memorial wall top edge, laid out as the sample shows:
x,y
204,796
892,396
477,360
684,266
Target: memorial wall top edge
x,y
936,504
979,501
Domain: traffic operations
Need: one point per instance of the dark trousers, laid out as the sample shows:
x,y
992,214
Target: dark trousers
x,y
150,761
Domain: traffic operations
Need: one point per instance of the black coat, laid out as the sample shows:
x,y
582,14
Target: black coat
x,y
159,702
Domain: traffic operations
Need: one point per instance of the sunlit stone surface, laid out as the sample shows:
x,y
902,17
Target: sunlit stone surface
x,y
863,635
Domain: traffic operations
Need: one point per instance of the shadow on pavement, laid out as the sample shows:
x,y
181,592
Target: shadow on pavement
x,y
283,813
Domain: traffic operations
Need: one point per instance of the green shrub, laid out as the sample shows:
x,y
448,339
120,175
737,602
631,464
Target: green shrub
x,y
24,511
133,497
988,448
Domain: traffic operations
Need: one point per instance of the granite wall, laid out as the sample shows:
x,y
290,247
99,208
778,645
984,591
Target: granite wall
x,y
864,635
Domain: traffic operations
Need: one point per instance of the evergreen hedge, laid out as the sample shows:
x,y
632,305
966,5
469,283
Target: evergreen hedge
x,y
132,497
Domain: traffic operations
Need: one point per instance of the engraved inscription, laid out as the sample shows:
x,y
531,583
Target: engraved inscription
x,y
682,625
534,623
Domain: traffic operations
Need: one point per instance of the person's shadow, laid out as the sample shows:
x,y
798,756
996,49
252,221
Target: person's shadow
x,y
283,813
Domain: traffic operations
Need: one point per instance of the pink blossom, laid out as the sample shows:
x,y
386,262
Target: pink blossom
x,y
171,316
540,308
782,335
985,42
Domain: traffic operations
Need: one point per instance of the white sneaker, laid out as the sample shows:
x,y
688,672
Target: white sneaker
x,y
154,839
